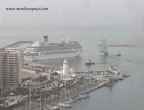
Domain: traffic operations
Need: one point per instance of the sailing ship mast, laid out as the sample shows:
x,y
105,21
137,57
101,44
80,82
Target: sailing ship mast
x,y
30,103
40,101
103,48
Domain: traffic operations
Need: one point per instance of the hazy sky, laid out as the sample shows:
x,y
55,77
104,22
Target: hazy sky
x,y
73,12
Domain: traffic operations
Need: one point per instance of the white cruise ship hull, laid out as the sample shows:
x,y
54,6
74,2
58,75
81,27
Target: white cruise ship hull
x,y
52,56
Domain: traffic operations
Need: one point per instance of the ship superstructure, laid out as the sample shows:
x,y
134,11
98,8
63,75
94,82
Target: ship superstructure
x,y
45,50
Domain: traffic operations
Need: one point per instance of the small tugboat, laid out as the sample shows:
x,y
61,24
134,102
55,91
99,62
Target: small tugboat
x,y
118,54
89,63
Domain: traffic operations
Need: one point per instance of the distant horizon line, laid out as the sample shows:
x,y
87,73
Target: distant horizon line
x,y
69,26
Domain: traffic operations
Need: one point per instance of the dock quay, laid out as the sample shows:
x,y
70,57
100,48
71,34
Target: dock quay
x,y
120,45
35,70
37,67
11,101
53,91
85,88
86,82
19,44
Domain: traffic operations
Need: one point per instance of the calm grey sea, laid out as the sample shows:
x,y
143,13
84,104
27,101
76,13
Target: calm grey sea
x,y
124,95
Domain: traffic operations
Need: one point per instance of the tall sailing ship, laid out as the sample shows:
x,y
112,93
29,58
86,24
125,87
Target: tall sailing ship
x,y
103,48
46,51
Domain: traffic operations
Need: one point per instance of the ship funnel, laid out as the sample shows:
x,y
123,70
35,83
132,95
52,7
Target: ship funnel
x,y
45,38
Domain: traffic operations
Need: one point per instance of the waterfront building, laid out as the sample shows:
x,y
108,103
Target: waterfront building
x,y
10,67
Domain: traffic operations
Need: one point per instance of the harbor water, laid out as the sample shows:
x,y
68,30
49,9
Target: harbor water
x,y
123,95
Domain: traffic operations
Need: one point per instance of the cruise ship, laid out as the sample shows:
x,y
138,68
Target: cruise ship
x,y
45,51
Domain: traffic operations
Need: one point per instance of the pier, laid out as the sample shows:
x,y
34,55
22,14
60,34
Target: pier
x,y
19,44
120,45
85,82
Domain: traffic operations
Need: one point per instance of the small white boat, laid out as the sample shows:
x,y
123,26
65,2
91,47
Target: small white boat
x,y
125,74
70,101
103,53
53,107
82,96
65,105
